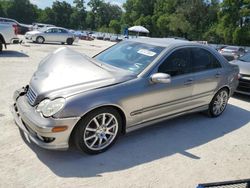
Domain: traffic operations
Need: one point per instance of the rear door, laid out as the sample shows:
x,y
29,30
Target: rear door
x,y
207,72
62,35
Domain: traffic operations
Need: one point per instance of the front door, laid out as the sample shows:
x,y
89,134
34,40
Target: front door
x,y
161,99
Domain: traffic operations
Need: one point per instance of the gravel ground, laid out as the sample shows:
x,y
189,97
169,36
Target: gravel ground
x,y
177,153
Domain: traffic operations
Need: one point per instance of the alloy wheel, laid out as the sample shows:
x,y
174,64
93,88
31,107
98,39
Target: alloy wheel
x,y
220,102
100,131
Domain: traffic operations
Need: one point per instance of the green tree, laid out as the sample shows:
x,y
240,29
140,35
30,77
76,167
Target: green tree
x,y
78,16
115,25
21,10
62,12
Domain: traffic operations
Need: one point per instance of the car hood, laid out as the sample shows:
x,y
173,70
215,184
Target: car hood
x,y
33,32
244,66
65,72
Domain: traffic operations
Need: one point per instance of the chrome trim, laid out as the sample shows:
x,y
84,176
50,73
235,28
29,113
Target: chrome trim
x,y
31,96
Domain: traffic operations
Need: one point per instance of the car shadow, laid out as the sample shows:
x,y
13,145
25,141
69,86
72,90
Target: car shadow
x,y
52,44
10,53
145,145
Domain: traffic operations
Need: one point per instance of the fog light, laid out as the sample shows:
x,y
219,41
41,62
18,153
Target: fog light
x,y
59,129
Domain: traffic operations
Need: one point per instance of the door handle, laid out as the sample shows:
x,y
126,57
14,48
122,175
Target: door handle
x,y
190,81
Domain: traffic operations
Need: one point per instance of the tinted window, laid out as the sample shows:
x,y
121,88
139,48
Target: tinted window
x,y
62,31
203,60
177,63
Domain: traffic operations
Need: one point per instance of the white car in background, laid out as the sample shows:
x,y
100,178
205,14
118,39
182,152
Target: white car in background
x,y
51,34
8,34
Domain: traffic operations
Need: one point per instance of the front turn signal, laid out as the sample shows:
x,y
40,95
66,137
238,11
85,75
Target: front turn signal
x,y
59,129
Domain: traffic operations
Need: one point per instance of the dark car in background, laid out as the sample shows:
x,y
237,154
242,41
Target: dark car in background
x,y
244,80
232,52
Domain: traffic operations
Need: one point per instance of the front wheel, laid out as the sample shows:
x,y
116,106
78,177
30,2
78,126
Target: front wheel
x,y
98,131
40,40
218,103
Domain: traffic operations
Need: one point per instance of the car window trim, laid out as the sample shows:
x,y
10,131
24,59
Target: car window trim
x,y
169,51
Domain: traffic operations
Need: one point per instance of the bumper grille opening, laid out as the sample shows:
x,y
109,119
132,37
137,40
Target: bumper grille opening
x,y
45,139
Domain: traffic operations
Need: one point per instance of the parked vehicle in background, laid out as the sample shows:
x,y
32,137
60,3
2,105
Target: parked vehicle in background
x,y
37,26
51,34
8,34
244,81
127,86
21,28
232,52
100,36
106,37
83,35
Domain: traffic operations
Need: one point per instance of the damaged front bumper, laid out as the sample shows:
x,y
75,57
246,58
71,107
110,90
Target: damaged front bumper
x,y
37,128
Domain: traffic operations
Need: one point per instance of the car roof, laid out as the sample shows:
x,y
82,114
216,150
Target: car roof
x,y
56,28
164,42
9,19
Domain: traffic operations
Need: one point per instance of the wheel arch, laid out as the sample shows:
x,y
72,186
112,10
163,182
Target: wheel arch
x,y
119,110
224,87
40,36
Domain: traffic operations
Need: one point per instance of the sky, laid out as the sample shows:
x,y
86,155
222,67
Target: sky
x,y
48,3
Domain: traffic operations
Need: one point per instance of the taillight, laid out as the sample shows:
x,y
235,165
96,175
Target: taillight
x,y
15,29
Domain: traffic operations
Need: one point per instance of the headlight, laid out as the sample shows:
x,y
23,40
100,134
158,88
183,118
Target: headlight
x,y
49,108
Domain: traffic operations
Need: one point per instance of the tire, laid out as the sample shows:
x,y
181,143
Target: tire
x,y
1,46
40,40
62,43
93,139
218,103
70,41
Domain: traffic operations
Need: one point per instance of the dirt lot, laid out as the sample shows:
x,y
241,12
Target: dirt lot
x,y
177,153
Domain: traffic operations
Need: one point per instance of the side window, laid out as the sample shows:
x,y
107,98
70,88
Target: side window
x,y
62,31
54,30
177,63
203,60
48,31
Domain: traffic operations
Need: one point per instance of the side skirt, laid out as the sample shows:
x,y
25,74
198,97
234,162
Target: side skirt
x,y
148,123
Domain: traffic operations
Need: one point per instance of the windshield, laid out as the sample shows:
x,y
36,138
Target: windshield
x,y
245,57
131,56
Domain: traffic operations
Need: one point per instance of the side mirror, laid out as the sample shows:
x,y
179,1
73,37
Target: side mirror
x,y
160,78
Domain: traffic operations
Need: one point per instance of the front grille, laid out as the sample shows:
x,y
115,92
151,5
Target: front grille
x,y
228,184
244,85
31,95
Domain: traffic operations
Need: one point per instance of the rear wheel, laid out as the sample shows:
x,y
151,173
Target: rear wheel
x,y
70,41
218,103
98,130
40,40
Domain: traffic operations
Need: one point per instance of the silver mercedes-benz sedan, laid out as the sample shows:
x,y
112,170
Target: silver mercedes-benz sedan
x,y
129,85
51,34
